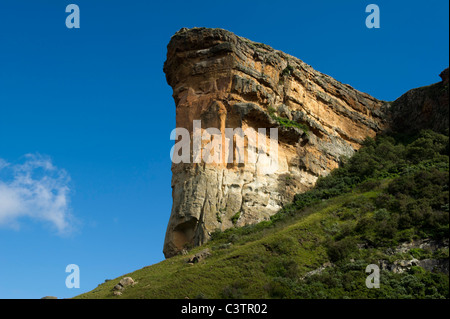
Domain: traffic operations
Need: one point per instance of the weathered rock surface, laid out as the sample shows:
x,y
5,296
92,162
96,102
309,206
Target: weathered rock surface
x,y
317,271
227,81
127,281
123,283
430,264
426,244
199,256
422,108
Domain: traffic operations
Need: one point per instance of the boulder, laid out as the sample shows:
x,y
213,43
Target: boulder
x,y
127,281
199,256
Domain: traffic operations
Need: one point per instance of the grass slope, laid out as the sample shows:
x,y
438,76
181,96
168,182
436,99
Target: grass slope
x,y
394,190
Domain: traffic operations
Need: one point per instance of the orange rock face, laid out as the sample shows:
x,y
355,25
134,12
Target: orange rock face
x,y
227,81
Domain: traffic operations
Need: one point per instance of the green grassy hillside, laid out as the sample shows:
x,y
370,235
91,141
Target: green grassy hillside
x,y
379,208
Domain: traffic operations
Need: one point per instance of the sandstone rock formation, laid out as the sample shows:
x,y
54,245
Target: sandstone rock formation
x,y
422,108
227,81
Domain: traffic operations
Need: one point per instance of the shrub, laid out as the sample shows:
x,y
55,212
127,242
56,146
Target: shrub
x,y
381,214
340,250
235,218
287,70
282,267
281,288
233,291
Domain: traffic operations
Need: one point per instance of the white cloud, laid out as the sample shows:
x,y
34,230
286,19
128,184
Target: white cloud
x,y
3,163
37,190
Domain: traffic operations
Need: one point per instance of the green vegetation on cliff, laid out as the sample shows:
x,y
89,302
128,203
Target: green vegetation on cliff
x,y
387,205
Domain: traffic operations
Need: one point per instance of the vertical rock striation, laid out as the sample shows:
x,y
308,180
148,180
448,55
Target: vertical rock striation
x,y
227,81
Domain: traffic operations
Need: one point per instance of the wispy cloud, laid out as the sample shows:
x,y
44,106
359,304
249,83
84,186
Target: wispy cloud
x,y
35,189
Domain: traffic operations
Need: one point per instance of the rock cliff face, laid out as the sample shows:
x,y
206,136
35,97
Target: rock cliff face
x,y
227,81
422,108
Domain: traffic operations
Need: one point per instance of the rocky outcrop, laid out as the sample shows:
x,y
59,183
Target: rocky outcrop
x,y
227,81
422,108
429,249
123,283
199,256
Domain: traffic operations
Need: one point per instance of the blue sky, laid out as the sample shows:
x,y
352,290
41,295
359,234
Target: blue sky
x,y
86,115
